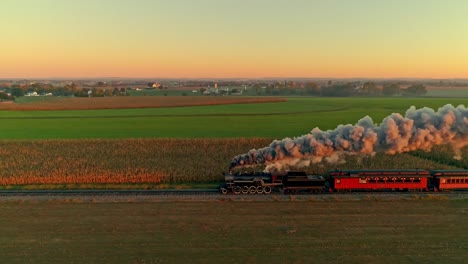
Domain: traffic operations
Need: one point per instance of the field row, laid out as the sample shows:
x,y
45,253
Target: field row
x,y
123,102
156,161
296,117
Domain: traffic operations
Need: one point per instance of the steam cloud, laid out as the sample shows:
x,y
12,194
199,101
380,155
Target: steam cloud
x,y
419,129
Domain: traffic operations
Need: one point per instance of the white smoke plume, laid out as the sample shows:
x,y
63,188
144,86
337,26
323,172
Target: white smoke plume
x,y
419,129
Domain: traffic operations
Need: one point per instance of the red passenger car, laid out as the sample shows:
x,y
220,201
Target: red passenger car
x,y
450,179
352,180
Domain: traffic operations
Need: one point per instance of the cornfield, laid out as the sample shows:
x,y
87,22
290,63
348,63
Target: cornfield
x,y
160,160
445,155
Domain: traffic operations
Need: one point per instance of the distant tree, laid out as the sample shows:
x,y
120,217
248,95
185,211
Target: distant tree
x,y
370,89
269,90
257,88
329,82
107,92
415,90
285,90
93,92
123,91
276,91
312,88
67,90
291,84
98,93
338,90
17,91
5,97
150,84
391,89
202,90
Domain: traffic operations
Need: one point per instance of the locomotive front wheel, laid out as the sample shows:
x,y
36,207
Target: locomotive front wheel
x,y
245,189
259,189
224,191
252,189
267,189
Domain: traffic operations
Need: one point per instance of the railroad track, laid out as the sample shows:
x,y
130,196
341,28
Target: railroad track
x,y
202,192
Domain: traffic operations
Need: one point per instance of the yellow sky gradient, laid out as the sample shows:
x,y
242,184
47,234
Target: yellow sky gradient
x,y
207,38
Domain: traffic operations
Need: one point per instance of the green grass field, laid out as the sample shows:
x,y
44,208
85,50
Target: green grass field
x,y
273,120
460,92
365,231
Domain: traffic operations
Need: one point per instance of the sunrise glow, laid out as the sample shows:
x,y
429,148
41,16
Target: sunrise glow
x,y
233,38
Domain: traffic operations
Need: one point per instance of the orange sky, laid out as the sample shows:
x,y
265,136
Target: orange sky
x,y
227,38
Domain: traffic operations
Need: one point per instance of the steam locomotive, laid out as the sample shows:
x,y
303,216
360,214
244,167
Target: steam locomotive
x,y
345,181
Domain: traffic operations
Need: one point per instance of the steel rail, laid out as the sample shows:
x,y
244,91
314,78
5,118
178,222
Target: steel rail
x,y
117,192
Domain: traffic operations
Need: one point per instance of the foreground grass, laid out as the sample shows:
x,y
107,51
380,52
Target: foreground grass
x,y
234,232
295,117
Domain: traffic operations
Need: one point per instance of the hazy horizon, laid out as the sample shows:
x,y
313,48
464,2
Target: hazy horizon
x,y
232,39
230,78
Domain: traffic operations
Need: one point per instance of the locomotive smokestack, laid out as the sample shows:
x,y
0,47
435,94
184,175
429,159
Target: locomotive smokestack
x,y
419,129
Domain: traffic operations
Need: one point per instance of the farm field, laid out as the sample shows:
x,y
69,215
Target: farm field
x,y
435,91
125,102
161,163
181,146
70,231
277,120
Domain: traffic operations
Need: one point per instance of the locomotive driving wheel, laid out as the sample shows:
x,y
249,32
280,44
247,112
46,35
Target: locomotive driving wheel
x,y
237,190
224,191
259,189
267,189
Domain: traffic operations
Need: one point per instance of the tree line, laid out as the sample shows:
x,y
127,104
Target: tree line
x,y
342,89
15,90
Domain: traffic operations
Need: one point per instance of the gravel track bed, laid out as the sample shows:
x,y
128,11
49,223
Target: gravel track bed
x,y
215,197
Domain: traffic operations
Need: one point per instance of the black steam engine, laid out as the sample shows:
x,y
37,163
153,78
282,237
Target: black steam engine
x,y
259,183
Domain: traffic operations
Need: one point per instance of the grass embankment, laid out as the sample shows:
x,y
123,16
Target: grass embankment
x,y
234,232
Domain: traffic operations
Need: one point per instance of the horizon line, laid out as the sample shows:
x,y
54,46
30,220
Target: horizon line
x,y
230,78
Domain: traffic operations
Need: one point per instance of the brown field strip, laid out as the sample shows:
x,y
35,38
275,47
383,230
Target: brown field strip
x,y
71,231
122,102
